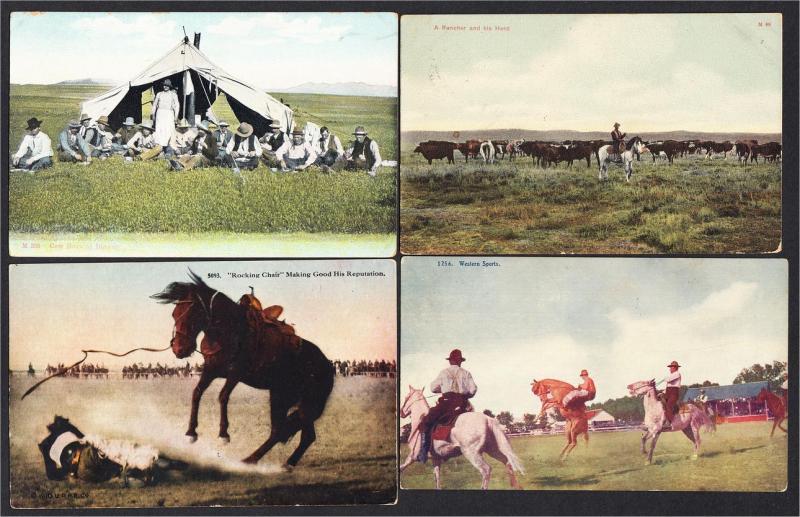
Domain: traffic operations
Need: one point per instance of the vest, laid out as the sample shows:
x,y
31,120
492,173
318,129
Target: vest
x,y
250,142
360,148
276,142
331,144
92,136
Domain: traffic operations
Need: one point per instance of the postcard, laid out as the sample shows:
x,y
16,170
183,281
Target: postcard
x,y
203,384
591,133
202,134
574,374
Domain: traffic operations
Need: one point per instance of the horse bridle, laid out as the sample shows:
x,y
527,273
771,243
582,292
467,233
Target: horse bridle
x,y
209,311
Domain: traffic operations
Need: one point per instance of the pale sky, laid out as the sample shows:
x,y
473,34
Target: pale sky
x,y
650,72
267,50
622,319
58,309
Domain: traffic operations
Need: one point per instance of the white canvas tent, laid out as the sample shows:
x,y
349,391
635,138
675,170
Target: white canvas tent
x,y
190,72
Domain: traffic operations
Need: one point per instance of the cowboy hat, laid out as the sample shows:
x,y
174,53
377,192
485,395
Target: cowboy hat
x,y
203,126
183,124
147,124
584,372
673,363
616,124
74,124
298,131
360,131
244,130
167,82
455,355
102,119
275,124
129,122
84,116
222,123
33,123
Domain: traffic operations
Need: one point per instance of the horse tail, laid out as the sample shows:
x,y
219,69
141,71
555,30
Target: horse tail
x,y
504,446
322,372
597,156
706,422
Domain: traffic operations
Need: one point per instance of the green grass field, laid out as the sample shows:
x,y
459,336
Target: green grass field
x,y
117,196
692,206
341,467
737,458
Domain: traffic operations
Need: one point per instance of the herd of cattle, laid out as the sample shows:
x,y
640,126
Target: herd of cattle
x,y
552,153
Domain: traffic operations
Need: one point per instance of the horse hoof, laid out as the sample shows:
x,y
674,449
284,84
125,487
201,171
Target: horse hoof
x,y
287,468
191,438
250,461
224,440
647,463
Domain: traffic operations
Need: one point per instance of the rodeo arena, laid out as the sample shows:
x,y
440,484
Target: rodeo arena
x,y
184,132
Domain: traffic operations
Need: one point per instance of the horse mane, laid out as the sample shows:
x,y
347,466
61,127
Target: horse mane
x,y
177,291
557,383
632,141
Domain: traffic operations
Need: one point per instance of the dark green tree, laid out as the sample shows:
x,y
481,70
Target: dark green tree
x,y
488,412
772,373
505,418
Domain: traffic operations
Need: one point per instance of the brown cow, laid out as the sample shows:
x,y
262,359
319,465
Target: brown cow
x,y
771,151
470,149
437,150
744,150
577,151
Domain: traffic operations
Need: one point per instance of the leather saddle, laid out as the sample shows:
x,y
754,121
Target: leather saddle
x,y
445,424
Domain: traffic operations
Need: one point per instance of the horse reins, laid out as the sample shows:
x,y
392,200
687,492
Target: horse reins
x,y
86,353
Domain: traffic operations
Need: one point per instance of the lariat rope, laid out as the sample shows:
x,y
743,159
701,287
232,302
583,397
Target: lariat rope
x,y
85,356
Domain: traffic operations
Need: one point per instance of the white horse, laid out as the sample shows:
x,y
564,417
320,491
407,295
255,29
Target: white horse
x,y
634,146
472,435
654,418
487,151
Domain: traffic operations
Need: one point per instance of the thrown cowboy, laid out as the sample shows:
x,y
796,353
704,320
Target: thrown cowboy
x,y
672,392
457,387
584,393
618,137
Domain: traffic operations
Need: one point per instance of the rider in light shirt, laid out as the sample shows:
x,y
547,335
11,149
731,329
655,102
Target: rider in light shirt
x,y
585,392
672,392
457,387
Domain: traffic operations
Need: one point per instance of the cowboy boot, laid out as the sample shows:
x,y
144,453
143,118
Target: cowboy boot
x,y
425,443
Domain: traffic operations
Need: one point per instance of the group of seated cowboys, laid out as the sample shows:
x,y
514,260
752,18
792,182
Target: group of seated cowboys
x,y
191,147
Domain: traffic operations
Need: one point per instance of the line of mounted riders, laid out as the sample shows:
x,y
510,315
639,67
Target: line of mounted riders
x,y
545,154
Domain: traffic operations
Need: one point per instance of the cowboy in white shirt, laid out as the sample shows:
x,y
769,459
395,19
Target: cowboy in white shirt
x,y
457,387
363,153
244,149
143,145
297,154
35,152
181,141
328,147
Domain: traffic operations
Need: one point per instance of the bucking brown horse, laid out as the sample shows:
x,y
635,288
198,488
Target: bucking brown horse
x,y
239,347
777,406
551,392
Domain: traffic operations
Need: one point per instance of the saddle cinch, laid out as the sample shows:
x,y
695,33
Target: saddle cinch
x,y
257,316
442,428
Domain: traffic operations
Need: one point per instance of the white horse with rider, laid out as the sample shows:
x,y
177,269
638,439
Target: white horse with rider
x,y
605,156
472,435
689,420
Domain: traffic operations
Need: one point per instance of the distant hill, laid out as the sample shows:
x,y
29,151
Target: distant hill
x,y
88,81
354,88
409,138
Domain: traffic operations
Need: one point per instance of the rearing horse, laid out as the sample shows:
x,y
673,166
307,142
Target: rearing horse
x,y
551,392
777,406
298,376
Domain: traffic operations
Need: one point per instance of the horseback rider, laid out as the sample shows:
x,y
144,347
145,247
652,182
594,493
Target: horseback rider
x,y
672,393
584,393
457,387
618,137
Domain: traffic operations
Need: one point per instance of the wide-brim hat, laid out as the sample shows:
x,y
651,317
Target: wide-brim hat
x,y
455,355
74,124
222,123
183,124
147,124
616,124
584,372
129,122
102,119
275,124
33,123
360,131
203,126
297,131
84,116
244,130
674,363
167,82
